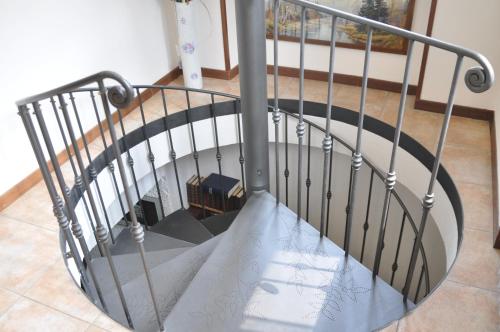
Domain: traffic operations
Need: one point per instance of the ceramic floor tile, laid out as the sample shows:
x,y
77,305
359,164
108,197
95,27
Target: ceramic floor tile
x,y
455,308
391,328
7,299
477,201
34,207
27,315
348,96
477,263
93,328
469,165
424,127
27,252
106,323
469,132
57,290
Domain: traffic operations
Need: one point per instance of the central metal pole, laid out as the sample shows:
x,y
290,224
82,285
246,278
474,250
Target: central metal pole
x,y
253,86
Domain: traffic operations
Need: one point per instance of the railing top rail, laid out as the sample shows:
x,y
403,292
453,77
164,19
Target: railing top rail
x,y
119,96
477,79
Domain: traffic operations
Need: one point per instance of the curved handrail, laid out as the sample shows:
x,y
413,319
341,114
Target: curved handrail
x,y
477,79
119,96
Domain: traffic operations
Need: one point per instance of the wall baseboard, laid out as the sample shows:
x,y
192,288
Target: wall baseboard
x,y
464,111
317,75
11,195
494,173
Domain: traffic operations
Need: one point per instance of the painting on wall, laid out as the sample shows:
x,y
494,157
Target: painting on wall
x,y
349,34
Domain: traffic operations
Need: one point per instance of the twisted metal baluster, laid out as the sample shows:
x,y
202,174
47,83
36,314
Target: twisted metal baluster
x,y
136,228
300,125
173,155
366,225
398,248
111,166
75,225
218,155
329,193
237,111
92,171
102,233
78,179
276,110
196,155
428,200
357,160
390,179
130,163
308,180
327,140
151,155
287,171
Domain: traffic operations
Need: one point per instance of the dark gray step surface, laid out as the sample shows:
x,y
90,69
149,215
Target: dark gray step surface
x,y
125,244
170,280
270,272
219,223
183,226
129,266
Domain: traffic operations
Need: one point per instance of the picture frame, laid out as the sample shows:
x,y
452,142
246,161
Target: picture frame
x,y
318,26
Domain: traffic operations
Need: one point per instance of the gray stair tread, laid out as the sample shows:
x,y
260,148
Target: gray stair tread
x,y
129,266
219,223
125,244
182,225
272,273
170,280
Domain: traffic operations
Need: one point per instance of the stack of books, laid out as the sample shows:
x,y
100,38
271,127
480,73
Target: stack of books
x,y
216,193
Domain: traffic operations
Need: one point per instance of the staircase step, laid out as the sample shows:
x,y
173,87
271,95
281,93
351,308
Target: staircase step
x,y
219,223
271,272
125,244
170,280
129,266
183,226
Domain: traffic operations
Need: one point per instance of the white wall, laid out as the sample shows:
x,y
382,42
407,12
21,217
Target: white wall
x,y
48,43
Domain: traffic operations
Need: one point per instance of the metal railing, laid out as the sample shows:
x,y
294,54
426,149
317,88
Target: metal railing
x,y
477,79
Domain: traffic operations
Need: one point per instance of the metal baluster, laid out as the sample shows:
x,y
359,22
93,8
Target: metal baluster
x,y
78,179
111,166
130,163
240,144
308,180
300,125
287,171
102,233
276,110
420,278
151,155
75,225
173,155
196,155
347,207
329,193
428,200
395,264
92,171
357,160
327,140
136,228
366,225
390,179
218,155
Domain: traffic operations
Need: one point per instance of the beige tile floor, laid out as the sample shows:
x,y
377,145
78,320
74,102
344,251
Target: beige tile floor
x,y
37,294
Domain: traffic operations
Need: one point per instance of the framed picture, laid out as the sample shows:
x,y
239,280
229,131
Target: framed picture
x,y
398,13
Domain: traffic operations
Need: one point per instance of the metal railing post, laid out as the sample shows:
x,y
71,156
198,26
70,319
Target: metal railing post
x,y
253,83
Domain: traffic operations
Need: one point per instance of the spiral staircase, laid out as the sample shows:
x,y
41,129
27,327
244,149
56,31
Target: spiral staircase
x,y
328,239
